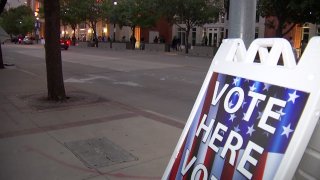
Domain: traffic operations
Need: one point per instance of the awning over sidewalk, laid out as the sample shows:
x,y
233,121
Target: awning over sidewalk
x,y
3,35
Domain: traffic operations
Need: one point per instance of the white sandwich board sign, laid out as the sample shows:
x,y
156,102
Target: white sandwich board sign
x,y
251,120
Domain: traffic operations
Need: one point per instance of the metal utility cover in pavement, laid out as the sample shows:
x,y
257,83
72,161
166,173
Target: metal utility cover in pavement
x,y
99,152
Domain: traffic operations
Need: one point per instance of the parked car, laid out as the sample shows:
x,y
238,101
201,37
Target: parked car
x,y
27,40
65,43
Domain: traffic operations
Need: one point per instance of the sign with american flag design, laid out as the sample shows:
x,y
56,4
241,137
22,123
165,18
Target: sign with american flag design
x,y
250,120
241,130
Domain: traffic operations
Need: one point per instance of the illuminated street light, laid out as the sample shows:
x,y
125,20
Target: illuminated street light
x,y
36,26
114,25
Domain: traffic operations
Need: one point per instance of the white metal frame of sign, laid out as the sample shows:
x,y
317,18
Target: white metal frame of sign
x,y
233,61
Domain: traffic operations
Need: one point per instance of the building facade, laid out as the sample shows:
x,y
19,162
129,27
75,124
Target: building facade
x,y
299,36
212,34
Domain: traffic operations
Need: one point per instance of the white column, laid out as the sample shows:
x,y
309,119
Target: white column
x,y
242,15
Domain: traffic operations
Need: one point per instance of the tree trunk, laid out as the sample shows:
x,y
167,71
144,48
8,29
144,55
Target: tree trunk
x,y
288,29
2,5
55,82
187,40
95,38
1,58
133,42
280,27
74,39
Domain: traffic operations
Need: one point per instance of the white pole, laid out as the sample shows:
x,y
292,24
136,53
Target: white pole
x,y
242,15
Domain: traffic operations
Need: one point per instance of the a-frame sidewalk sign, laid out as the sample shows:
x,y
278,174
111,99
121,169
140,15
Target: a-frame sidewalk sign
x,y
254,114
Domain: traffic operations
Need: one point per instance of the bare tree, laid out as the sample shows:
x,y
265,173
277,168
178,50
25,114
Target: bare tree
x,y
55,84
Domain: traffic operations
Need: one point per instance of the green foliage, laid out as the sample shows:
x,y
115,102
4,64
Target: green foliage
x,y
143,13
191,12
90,10
111,11
18,20
70,12
289,13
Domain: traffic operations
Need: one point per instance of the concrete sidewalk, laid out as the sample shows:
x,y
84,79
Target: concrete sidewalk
x,y
88,137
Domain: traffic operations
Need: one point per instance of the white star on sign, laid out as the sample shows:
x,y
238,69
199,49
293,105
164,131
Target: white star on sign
x,y
250,130
252,88
266,87
232,116
236,128
244,103
259,115
258,103
230,104
281,112
286,130
244,115
266,133
236,80
293,96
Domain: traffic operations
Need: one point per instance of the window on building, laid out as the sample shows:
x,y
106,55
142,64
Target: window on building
x,y
182,36
222,17
257,17
194,36
215,39
318,31
227,33
305,35
221,36
82,25
256,33
204,31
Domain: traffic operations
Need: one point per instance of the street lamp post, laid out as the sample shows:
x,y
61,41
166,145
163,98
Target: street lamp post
x,y
37,30
114,24
37,26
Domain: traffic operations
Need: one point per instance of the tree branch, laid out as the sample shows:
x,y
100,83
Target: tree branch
x,y
289,29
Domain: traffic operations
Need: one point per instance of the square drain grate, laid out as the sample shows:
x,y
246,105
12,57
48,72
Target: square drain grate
x,y
99,152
